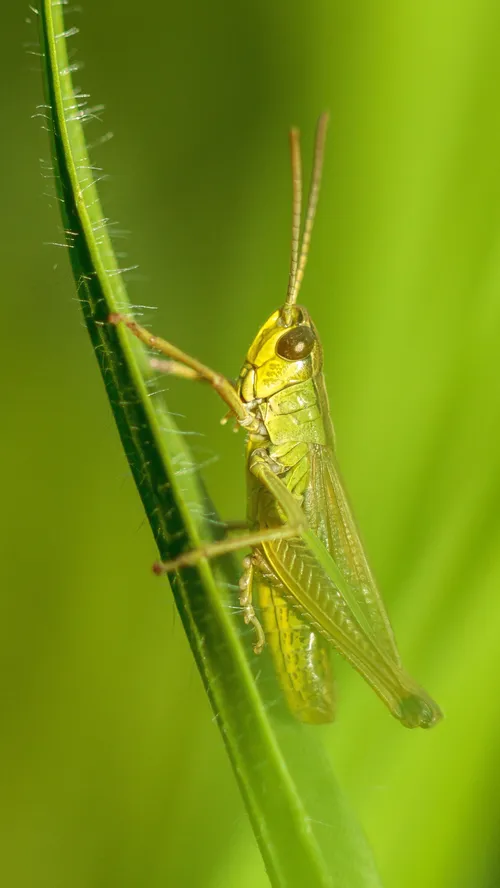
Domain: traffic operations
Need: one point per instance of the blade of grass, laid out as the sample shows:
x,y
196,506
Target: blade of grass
x,y
305,830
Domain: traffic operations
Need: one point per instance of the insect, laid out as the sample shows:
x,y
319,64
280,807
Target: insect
x,y
307,569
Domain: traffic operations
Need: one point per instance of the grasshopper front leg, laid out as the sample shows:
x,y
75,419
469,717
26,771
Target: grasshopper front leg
x,y
182,364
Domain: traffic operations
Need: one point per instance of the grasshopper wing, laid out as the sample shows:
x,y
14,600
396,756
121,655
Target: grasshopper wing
x,y
328,581
332,520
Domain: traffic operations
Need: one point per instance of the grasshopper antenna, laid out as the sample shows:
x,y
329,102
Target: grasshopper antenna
x,y
298,264
296,219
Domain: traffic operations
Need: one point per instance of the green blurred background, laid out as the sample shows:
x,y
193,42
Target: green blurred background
x,y
113,772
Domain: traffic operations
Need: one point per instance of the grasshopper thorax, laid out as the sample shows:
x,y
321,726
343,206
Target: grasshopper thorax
x,y
284,352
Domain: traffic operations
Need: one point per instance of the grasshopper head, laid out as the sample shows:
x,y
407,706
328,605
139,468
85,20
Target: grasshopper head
x,y
284,352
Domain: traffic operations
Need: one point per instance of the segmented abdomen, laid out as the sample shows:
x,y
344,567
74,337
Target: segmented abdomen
x,y
300,656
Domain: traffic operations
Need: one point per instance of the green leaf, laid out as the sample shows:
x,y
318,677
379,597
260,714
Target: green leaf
x,y
306,832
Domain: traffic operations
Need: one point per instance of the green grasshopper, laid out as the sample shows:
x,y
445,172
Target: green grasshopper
x,y
307,568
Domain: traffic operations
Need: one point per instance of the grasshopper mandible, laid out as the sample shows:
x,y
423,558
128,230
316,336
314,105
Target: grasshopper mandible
x,y
307,568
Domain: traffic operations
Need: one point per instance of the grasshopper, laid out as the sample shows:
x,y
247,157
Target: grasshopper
x,y
307,568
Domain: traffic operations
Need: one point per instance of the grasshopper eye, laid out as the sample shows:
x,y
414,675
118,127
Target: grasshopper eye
x,y
296,344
